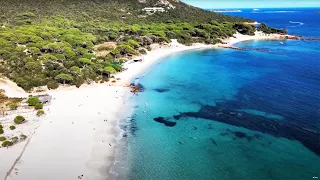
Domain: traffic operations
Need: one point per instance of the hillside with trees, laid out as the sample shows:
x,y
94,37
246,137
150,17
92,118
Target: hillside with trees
x,y
47,43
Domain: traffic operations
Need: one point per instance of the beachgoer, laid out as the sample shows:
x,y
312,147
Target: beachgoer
x,y
109,144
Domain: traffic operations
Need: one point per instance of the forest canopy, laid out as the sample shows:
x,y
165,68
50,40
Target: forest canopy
x,y
44,43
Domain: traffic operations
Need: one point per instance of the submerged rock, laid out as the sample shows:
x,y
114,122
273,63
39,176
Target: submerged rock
x,y
135,88
161,90
164,121
308,138
214,142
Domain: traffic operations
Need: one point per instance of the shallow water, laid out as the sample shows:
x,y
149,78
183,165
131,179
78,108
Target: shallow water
x,y
279,88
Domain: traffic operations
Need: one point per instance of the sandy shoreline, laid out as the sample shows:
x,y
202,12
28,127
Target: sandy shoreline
x,y
73,138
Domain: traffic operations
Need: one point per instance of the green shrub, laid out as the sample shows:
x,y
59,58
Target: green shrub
x,y
1,131
23,137
40,112
2,138
19,119
7,143
142,51
1,126
38,106
12,127
32,101
52,84
149,48
13,106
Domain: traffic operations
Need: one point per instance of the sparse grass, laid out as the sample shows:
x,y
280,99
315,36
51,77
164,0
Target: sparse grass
x,y
13,106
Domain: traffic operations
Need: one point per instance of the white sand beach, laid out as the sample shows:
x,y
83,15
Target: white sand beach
x,y
73,137
76,137
258,36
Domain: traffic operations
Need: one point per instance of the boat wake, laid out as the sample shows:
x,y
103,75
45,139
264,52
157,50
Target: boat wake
x,y
297,23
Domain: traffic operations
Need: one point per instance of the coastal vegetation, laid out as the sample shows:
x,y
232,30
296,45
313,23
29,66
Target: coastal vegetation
x,y
8,103
19,119
47,43
40,112
38,106
23,137
13,106
33,101
2,138
269,30
12,127
7,143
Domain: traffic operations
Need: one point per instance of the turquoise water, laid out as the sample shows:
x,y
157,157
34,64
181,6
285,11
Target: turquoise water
x,y
238,114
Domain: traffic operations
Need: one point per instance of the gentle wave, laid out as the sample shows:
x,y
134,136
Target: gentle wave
x,y
298,23
275,11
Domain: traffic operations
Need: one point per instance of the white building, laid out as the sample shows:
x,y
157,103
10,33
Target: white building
x,y
154,9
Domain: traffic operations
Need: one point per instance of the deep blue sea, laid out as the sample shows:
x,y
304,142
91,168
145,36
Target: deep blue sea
x,y
239,114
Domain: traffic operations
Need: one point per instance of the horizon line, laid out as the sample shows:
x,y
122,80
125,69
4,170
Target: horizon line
x,y
263,7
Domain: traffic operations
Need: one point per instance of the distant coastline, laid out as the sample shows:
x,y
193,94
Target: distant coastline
x,y
225,10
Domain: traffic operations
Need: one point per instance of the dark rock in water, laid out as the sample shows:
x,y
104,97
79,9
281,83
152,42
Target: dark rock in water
x,y
176,117
214,142
141,88
224,133
195,128
133,126
133,130
161,90
164,121
240,134
308,138
135,88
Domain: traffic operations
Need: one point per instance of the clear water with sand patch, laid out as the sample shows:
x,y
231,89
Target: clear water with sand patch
x,y
236,114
